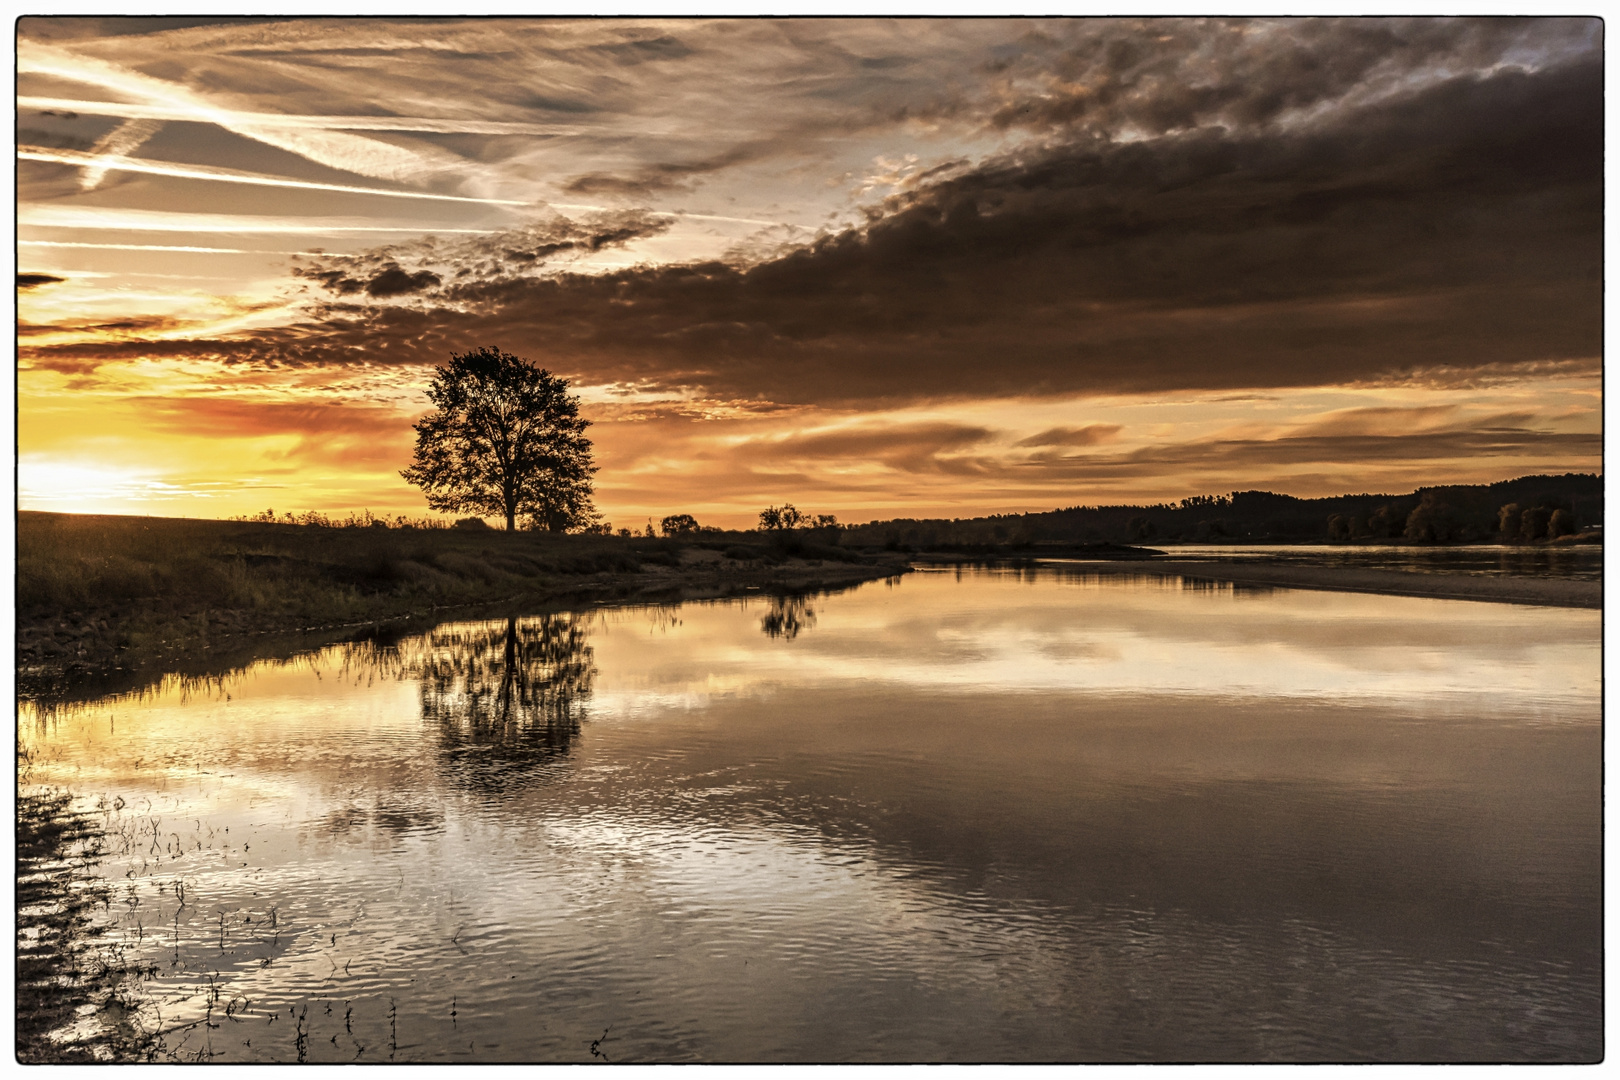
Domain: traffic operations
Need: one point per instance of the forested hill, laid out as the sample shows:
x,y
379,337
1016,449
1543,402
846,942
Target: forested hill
x,y
1529,508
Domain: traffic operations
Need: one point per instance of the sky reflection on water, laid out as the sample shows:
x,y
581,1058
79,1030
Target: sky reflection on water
x,y
979,816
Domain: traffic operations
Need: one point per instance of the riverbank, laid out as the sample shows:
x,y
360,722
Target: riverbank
x,y
108,602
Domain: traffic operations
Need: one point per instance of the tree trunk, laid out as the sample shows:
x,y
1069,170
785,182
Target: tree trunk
x,y
510,519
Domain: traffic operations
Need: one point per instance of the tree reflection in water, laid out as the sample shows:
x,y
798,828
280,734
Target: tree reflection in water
x,y
506,700
787,616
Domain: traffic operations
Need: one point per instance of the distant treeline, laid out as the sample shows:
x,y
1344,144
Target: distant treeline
x,y
1529,509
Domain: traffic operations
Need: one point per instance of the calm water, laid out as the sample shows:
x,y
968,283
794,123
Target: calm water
x,y
976,816
1584,562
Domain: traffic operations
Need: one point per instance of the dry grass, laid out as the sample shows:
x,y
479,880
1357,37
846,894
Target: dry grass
x,y
90,587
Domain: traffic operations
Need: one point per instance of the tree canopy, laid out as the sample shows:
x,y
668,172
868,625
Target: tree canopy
x,y
505,439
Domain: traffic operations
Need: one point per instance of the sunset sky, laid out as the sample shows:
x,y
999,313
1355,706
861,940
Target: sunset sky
x,y
873,268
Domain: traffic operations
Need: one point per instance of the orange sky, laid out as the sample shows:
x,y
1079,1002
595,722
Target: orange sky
x,y
872,268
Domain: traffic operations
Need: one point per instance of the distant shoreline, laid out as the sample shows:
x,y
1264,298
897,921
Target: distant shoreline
x,y
1543,592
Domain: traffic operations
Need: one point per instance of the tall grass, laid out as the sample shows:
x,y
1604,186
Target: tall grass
x,y
149,569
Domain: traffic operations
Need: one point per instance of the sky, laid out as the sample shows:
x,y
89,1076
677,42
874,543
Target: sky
x,y
874,268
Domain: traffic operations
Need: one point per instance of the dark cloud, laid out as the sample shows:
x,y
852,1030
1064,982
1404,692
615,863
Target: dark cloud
x,y
401,269
1155,76
396,282
34,281
1457,229
646,182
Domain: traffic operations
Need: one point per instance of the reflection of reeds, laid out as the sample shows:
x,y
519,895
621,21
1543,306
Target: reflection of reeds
x,y
59,966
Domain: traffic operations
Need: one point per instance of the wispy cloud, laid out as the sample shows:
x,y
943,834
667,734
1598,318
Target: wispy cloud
x,y
412,266
57,216
118,143
191,249
1090,435
108,162
335,149
235,119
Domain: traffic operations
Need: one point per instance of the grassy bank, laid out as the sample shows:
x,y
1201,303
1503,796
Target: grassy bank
x,y
103,593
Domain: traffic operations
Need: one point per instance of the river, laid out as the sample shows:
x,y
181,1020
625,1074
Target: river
x,y
986,815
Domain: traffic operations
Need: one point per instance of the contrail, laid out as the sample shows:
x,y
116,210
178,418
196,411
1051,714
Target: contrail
x,y
120,142
47,215
444,126
158,247
228,176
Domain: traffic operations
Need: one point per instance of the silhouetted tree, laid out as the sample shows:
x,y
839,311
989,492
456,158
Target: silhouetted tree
x,y
1533,522
679,525
563,503
786,516
1434,520
1562,523
1338,527
506,438
1386,522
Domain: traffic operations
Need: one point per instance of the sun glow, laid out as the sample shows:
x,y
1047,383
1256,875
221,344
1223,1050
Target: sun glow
x,y
55,484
